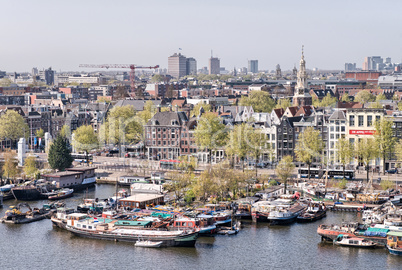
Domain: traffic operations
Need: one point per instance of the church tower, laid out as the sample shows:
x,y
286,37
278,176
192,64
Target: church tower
x,y
302,96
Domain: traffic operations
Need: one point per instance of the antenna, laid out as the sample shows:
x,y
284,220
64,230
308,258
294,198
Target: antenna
x,y
212,54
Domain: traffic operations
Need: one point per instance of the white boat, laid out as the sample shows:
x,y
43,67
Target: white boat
x,y
148,244
348,241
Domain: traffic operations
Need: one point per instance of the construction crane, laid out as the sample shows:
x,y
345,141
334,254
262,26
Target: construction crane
x,y
131,67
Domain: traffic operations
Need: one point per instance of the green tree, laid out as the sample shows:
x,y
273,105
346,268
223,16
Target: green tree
x,y
103,100
367,150
148,112
180,182
210,133
375,105
204,186
344,152
238,143
380,97
40,133
285,168
399,106
384,138
342,184
85,139
283,103
197,107
345,97
65,131
121,126
59,156
157,78
398,150
364,96
187,163
258,146
387,184
13,126
5,82
30,166
260,101
309,146
328,100
10,168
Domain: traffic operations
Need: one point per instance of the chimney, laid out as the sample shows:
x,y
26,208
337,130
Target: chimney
x,y
176,108
158,108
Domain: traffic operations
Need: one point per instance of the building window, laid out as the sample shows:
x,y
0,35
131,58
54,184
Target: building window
x,y
342,129
361,121
332,129
351,120
369,120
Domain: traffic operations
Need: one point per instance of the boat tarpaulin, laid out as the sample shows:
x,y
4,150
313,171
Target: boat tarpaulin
x,y
376,232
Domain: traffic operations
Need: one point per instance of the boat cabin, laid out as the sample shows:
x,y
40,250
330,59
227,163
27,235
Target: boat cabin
x,y
394,239
73,218
62,213
141,201
184,223
128,180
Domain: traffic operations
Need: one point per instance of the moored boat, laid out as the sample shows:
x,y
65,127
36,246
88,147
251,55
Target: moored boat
x,y
108,229
285,213
394,243
62,194
352,241
15,216
314,211
148,244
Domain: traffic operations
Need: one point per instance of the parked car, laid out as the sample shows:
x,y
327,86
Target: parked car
x,y
392,171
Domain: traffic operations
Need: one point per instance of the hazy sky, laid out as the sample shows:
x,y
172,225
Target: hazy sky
x,y
64,34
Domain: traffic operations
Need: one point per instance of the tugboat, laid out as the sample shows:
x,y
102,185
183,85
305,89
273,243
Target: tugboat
x,y
315,211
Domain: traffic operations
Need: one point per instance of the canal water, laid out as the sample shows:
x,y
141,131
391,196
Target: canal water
x,y
257,246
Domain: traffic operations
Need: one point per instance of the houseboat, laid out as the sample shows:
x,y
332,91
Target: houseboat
x,y
62,194
107,229
285,213
314,211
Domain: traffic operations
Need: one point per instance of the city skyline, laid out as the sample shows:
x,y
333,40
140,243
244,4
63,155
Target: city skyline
x,y
63,35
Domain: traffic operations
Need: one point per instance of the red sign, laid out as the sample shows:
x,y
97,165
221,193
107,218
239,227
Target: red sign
x,y
361,132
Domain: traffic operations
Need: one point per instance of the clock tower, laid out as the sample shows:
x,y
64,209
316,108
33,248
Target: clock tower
x,y
302,96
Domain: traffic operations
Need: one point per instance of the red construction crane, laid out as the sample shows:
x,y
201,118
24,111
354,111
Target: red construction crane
x,y
131,67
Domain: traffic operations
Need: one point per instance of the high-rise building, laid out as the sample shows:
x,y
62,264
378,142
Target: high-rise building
x,y
49,76
214,65
350,67
191,66
253,66
177,65
302,96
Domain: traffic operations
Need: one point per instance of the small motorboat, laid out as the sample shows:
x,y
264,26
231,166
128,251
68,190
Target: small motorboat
x,y
62,194
148,244
349,241
230,230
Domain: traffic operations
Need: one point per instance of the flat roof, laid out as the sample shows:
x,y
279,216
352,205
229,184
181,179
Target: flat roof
x,y
81,169
60,174
142,197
